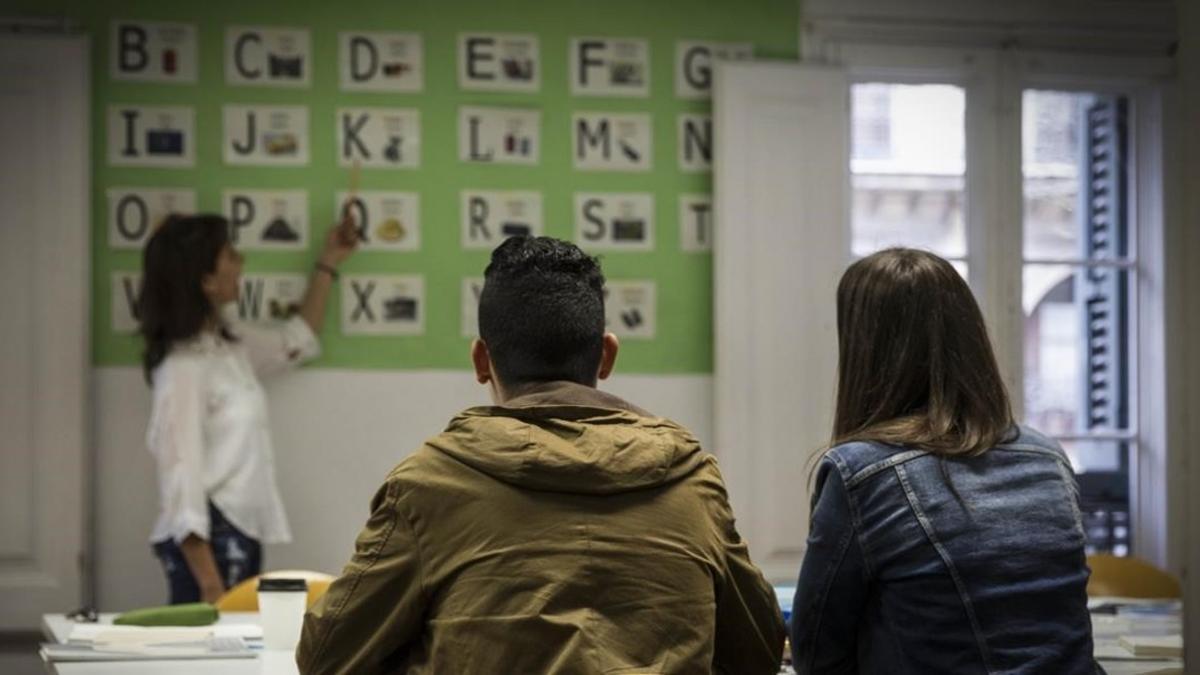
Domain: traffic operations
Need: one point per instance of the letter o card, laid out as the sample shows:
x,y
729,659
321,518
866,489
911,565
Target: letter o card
x,y
630,308
694,64
383,305
387,221
134,213
266,135
381,61
153,51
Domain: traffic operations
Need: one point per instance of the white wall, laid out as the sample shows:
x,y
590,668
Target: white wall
x,y
337,433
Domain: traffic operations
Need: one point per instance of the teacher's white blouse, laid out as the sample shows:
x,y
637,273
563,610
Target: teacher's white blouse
x,y
210,434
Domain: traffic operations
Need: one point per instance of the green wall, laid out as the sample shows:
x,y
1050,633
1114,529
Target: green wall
x,y
683,343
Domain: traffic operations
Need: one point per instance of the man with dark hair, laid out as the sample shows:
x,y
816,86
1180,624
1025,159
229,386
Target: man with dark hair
x,y
561,530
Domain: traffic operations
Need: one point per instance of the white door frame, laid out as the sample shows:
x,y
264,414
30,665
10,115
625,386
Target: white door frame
x,y
45,233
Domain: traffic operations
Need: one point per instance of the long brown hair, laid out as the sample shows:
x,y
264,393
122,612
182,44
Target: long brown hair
x,y
915,366
172,306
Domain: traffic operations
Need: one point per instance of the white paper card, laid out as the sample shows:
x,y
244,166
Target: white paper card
x,y
630,308
694,64
489,217
266,135
612,141
152,51
609,67
387,220
267,219
383,305
155,136
381,61
695,142
123,299
499,62
135,212
270,297
472,287
695,223
614,221
268,56
381,138
499,135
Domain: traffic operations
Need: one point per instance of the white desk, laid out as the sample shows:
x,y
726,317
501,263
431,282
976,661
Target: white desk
x,y
56,628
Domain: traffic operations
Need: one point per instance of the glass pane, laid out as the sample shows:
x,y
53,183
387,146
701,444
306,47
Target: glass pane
x,y
1102,470
1074,167
907,167
1077,355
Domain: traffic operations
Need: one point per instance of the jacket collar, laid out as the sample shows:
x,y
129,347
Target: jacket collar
x,y
562,392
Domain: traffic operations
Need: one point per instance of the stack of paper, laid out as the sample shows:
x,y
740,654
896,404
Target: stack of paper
x,y
126,643
1161,646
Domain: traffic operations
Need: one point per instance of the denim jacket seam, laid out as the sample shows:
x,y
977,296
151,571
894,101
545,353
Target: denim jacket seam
x,y
826,584
1038,449
856,525
855,517
923,520
883,465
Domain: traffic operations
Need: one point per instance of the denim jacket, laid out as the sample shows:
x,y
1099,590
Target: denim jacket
x,y
921,564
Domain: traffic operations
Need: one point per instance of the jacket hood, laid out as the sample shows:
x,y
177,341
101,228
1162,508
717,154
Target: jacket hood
x,y
565,437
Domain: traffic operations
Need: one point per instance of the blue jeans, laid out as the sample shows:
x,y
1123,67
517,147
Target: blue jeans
x,y
238,557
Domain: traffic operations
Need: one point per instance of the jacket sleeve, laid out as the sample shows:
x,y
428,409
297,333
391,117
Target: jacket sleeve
x,y
373,612
832,590
749,624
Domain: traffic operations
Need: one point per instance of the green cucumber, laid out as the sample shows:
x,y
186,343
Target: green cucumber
x,y
189,614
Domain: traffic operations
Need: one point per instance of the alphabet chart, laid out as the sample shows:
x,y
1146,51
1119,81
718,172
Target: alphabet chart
x,y
441,131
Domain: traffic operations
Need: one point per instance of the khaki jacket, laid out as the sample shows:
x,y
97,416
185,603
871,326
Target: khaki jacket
x,y
566,532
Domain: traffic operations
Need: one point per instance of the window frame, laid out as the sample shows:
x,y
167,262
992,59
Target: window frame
x,y
994,79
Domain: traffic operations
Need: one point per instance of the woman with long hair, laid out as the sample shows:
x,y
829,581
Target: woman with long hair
x,y
944,538
208,429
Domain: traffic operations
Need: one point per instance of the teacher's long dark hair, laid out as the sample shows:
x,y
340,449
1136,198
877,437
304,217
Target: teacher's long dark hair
x,y
915,366
172,306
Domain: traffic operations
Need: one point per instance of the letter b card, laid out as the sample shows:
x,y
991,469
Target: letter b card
x,y
153,51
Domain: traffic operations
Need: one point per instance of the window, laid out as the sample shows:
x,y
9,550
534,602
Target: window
x,y
907,168
1077,299
934,139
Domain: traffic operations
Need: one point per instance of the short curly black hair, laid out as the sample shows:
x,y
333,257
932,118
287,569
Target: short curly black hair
x,y
541,312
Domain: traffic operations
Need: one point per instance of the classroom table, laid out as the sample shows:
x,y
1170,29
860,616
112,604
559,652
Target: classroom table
x,y
57,627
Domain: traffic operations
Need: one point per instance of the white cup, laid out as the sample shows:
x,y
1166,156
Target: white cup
x,y
281,605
